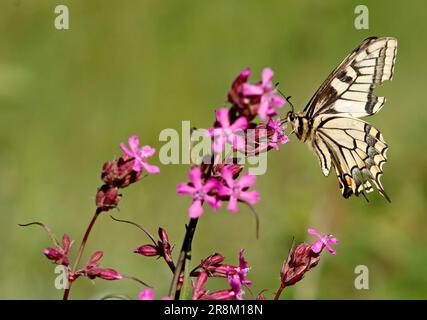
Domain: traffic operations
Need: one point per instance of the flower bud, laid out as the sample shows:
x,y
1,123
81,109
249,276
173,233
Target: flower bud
x,y
52,254
301,260
163,235
109,274
147,250
199,287
107,198
220,295
120,173
212,260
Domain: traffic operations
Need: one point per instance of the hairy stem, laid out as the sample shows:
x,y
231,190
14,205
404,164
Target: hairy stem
x,y
184,255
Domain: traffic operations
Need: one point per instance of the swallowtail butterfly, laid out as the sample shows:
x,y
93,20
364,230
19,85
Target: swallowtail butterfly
x,y
330,123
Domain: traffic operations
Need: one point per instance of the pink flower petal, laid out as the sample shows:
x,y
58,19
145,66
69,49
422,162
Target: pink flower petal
x,y
196,209
147,151
184,188
224,190
333,240
227,175
317,246
219,140
278,101
133,143
232,204
150,168
263,108
126,150
240,124
314,233
210,185
223,118
284,139
238,142
244,75
213,202
251,197
195,176
267,75
329,248
252,89
247,180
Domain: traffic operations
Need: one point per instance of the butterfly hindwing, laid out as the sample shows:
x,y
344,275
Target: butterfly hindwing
x,y
356,149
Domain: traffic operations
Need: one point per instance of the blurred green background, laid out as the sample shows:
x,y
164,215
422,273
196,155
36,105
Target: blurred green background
x,y
68,98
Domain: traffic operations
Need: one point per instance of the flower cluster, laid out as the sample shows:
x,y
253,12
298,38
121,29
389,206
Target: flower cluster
x,y
212,267
219,181
60,256
161,248
93,270
119,174
216,189
304,257
215,183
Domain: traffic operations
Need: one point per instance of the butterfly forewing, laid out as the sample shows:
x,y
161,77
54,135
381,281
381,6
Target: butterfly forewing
x,y
349,88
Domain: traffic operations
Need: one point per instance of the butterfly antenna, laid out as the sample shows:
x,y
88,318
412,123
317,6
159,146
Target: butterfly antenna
x,y
287,98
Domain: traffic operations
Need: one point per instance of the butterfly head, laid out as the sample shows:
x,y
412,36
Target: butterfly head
x,y
290,117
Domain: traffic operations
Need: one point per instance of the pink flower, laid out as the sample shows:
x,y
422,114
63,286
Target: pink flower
x,y
269,99
236,286
199,191
324,241
243,269
236,190
140,155
148,294
212,267
276,133
228,132
238,279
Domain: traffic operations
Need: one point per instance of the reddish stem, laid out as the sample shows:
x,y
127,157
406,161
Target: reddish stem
x,y
279,292
80,253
